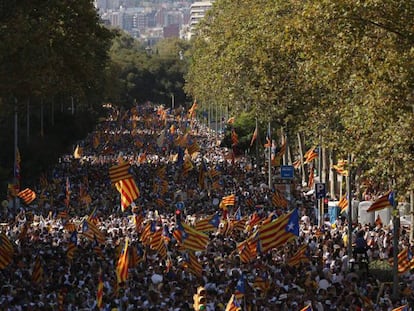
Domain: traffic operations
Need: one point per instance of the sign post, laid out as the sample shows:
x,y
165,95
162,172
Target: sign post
x,y
286,171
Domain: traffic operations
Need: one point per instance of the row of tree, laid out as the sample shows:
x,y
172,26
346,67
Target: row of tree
x,y
58,65
337,72
340,72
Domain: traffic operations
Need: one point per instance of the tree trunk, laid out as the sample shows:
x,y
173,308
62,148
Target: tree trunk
x,y
28,120
41,119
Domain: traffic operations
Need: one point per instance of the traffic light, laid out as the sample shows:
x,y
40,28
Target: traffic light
x,y
200,299
325,205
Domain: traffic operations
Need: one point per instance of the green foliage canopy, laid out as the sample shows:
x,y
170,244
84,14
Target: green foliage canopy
x,y
339,69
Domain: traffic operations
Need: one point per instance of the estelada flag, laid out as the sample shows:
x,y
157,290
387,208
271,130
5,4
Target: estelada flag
x,y
385,201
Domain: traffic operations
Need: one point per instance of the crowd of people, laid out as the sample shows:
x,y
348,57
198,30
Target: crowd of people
x,y
43,276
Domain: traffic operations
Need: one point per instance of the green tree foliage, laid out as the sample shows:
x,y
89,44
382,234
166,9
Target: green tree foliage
x,y
50,52
360,53
147,73
339,69
48,49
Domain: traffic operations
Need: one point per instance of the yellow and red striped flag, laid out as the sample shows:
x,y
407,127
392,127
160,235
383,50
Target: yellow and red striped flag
x,y
254,219
340,167
72,245
405,260
234,138
192,265
128,190
279,200
193,148
27,195
6,251
311,180
225,227
61,299
97,249
192,110
310,155
37,273
209,223
90,231
254,137
343,204
401,308
262,283
280,231
156,239
122,265
160,202
297,163
299,257
282,150
99,292
147,233
119,172
228,200
385,201
190,238
233,304
68,192
187,166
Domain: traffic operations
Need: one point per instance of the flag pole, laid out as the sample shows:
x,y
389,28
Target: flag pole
x,y
302,166
412,214
257,145
348,190
320,200
396,230
270,157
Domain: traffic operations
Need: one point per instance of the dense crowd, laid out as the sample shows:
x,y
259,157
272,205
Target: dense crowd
x,y
145,137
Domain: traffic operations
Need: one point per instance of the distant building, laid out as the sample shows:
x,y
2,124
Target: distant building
x,y
197,12
172,31
150,21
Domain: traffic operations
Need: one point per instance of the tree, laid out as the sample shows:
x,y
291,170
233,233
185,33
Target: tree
x,y
360,54
339,69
